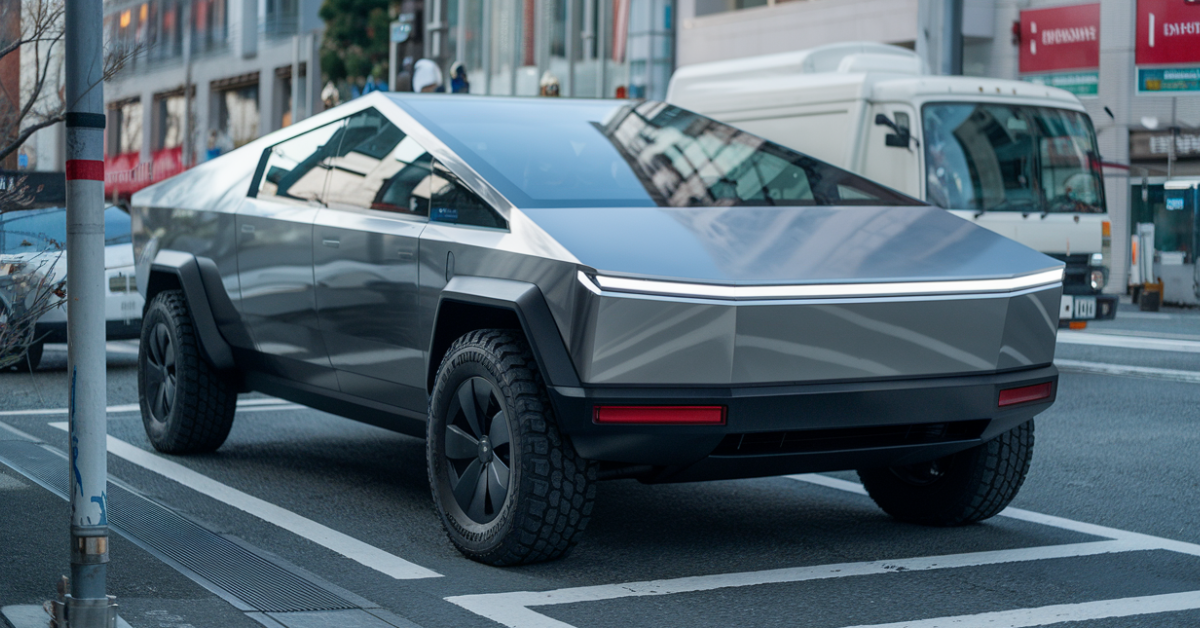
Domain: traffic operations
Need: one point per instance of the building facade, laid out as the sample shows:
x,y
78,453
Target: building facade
x,y
202,77
589,48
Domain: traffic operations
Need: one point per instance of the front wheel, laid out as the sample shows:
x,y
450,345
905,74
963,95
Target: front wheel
x,y
507,485
958,489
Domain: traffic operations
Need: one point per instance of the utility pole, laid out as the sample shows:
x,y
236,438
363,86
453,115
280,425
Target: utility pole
x,y
87,605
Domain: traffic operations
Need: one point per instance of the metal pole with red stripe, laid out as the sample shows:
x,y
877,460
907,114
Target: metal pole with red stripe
x,y
88,604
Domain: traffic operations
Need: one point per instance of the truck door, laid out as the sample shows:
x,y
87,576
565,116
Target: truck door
x,y
275,260
365,249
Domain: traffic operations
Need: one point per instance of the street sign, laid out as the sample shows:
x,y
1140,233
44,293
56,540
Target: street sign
x,y
1061,38
402,29
1078,83
1168,32
1169,81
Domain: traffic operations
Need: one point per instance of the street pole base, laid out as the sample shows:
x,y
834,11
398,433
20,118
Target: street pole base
x,y
71,612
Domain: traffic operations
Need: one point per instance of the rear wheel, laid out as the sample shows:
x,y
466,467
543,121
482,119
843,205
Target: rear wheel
x,y
508,487
958,489
187,405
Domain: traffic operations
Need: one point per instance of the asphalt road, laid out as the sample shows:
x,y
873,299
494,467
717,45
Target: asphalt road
x,y
1107,525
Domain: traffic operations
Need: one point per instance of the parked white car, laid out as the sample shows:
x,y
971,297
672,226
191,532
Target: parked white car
x,y
29,232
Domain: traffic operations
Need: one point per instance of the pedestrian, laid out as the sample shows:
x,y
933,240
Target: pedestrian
x,y
549,85
427,76
458,79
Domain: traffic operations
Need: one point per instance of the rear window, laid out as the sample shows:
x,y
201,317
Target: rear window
x,y
650,154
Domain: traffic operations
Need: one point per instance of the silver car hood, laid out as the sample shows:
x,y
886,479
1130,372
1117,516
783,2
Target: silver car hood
x,y
787,245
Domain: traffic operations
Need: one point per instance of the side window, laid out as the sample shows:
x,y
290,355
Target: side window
x,y
376,166
452,201
295,169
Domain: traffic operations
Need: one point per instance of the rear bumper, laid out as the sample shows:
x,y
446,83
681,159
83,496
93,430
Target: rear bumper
x,y
773,430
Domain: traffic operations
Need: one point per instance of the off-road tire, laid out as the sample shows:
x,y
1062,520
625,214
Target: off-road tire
x,y
199,406
974,484
551,490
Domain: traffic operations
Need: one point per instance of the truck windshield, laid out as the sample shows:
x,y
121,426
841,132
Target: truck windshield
x,y
994,157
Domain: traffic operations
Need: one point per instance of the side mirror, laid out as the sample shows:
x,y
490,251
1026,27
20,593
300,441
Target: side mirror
x,y
900,138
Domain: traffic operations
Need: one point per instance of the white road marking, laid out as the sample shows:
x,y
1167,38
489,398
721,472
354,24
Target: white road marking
x,y
244,405
343,544
1101,368
1150,316
1032,517
514,609
1127,342
1059,613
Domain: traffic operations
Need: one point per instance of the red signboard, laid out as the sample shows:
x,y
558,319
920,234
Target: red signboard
x,y
125,174
1062,38
1168,31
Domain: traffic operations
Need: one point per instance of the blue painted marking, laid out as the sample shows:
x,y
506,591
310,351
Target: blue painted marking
x,y
101,499
75,462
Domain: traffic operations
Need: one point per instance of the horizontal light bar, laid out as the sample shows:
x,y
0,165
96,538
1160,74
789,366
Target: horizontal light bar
x,y
824,291
1025,394
661,415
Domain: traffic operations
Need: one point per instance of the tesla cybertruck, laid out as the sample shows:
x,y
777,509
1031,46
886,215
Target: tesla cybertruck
x,y
555,292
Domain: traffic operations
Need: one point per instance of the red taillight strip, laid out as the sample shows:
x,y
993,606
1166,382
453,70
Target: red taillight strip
x,y
1025,394
661,415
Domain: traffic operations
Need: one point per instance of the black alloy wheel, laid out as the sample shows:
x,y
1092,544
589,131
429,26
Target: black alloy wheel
x,y
508,486
478,450
160,373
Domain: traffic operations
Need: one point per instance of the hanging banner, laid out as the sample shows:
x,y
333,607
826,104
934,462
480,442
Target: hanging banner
x,y
1058,39
1062,38
1168,32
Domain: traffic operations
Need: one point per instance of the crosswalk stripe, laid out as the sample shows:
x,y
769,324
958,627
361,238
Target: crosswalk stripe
x,y
1127,342
242,404
348,546
1060,613
1103,368
512,609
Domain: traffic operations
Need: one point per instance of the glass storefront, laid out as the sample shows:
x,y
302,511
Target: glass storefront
x,y
586,48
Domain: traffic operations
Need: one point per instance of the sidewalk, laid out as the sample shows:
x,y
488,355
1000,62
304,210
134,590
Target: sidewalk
x,y
35,542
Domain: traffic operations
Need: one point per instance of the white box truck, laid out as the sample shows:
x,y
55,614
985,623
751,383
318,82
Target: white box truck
x,y
1018,158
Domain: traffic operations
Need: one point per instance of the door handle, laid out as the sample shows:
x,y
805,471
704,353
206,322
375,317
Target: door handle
x,y
247,228
406,255
332,243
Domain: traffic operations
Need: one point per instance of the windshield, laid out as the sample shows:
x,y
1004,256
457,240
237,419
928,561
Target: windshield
x,y
993,157
613,154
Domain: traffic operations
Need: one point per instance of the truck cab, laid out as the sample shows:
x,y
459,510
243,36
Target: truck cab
x,y
1018,158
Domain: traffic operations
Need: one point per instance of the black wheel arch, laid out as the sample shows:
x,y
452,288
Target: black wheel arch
x,y
470,303
200,281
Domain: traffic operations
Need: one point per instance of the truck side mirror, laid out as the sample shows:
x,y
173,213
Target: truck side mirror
x,y
900,138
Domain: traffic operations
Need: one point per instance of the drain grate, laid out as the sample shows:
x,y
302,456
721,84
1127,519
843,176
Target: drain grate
x,y
233,571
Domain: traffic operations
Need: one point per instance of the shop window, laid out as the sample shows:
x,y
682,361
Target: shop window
x,y
237,117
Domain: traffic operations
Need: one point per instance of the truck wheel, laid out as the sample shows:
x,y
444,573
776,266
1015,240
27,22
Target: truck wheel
x,y
509,488
187,405
961,488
